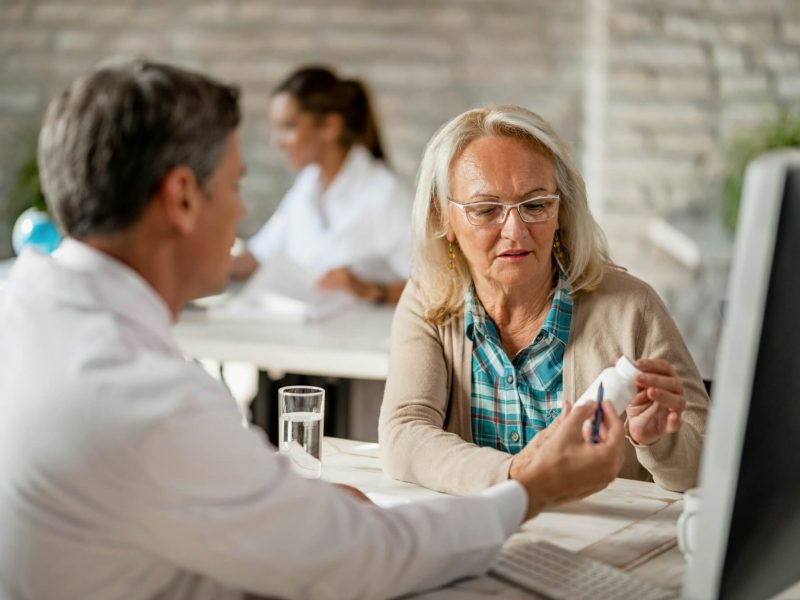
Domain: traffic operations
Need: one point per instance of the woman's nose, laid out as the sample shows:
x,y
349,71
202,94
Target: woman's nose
x,y
513,225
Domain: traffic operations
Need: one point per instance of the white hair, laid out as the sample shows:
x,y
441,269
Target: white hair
x,y
582,240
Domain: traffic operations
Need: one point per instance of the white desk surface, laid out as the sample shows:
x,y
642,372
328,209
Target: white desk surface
x,y
5,268
630,525
352,344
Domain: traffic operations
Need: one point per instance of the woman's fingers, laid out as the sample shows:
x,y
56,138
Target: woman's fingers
x,y
674,402
667,382
656,365
674,422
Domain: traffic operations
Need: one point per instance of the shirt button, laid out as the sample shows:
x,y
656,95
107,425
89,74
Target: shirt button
x,y
510,379
514,437
539,337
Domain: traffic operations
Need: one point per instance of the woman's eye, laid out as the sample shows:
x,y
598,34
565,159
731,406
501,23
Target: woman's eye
x,y
485,211
533,207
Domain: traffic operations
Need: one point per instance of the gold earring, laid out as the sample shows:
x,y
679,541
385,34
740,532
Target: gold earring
x,y
559,254
451,254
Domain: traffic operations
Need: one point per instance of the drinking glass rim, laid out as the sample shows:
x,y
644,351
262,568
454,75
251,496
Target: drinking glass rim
x,y
312,390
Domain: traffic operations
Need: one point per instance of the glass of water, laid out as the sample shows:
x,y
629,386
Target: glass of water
x,y
302,408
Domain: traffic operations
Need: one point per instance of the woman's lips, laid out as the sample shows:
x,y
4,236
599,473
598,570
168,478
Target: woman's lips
x,y
514,255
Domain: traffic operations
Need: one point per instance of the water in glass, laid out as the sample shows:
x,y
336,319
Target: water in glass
x,y
301,441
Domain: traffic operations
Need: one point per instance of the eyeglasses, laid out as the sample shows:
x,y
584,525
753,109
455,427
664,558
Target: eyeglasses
x,y
492,214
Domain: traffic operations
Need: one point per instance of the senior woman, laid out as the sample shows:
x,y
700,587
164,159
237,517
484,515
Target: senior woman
x,y
513,309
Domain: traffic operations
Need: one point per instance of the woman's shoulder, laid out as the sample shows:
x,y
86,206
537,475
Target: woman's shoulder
x,y
618,289
413,308
620,281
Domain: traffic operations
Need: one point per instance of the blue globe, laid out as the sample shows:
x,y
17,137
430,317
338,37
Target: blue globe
x,y
35,228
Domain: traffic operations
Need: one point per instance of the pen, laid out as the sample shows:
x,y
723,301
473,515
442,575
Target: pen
x,y
598,415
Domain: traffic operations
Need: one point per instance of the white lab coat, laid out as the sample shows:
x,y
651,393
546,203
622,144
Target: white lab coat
x,y
362,220
126,472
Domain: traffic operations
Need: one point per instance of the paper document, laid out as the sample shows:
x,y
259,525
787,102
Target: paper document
x,y
284,290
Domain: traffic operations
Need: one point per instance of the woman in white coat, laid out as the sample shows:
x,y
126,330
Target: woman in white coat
x,y
347,217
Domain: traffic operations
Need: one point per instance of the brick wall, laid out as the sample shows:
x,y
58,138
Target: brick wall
x,y
684,77
648,91
425,60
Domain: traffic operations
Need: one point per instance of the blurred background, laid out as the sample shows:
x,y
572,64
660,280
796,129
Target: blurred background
x,y
659,98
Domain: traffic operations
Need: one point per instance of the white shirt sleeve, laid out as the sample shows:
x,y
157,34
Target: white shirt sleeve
x,y
271,238
225,505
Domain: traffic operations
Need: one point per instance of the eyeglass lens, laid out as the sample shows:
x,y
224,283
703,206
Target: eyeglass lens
x,y
491,213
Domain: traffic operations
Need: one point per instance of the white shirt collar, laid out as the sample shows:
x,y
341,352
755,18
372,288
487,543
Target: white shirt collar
x,y
114,286
356,163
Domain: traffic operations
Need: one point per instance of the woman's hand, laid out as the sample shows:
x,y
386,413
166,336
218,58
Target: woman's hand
x,y
657,409
340,278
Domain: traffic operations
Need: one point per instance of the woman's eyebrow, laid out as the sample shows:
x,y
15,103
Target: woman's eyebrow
x,y
535,191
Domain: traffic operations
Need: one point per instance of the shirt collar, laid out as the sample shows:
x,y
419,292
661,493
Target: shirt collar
x,y
99,280
559,318
557,322
355,165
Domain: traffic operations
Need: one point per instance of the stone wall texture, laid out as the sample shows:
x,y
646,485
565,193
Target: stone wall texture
x,y
684,78
424,60
680,77
649,92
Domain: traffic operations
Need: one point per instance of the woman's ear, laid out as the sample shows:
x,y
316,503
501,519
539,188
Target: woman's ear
x,y
332,127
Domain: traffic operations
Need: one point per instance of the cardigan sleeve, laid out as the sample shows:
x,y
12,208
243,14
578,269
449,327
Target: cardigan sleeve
x,y
420,437
673,461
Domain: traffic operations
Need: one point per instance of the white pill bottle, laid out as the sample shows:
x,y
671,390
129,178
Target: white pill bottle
x,y
619,385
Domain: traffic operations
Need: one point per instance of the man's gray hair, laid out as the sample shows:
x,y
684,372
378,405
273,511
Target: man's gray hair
x,y
109,139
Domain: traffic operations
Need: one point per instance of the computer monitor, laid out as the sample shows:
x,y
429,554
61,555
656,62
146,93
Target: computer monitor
x,y
749,522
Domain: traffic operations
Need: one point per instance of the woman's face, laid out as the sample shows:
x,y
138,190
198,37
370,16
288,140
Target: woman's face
x,y
297,133
508,170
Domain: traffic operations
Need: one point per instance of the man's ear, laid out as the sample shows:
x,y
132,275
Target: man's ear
x,y
180,197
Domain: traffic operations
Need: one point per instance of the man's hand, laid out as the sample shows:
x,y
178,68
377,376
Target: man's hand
x,y
355,492
565,466
523,459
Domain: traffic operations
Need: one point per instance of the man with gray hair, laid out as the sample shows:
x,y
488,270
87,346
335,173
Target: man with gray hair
x,y
125,470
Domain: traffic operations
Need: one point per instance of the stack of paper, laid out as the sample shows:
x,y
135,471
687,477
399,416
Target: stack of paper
x,y
284,290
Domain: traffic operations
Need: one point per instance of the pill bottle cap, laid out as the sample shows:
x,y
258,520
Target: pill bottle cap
x,y
626,368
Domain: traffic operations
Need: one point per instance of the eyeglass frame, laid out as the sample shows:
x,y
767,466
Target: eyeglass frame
x,y
506,209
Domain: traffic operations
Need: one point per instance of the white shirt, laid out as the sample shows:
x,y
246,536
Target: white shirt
x,y
126,472
362,221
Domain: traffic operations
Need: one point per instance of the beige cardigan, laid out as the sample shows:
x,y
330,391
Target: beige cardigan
x,y
425,427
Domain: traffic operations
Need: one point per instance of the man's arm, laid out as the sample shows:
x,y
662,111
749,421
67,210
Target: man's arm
x,y
230,508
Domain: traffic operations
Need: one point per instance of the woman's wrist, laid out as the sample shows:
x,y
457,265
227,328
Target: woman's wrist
x,y
374,292
380,296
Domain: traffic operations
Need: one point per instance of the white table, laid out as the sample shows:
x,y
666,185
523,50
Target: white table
x,y
353,344
5,268
630,525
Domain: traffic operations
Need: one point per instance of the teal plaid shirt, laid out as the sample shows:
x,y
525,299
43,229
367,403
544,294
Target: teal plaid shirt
x,y
512,400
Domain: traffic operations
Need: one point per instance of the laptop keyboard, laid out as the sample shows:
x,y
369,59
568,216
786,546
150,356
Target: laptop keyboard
x,y
556,573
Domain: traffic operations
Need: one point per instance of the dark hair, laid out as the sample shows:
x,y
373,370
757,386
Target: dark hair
x,y
110,138
320,92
